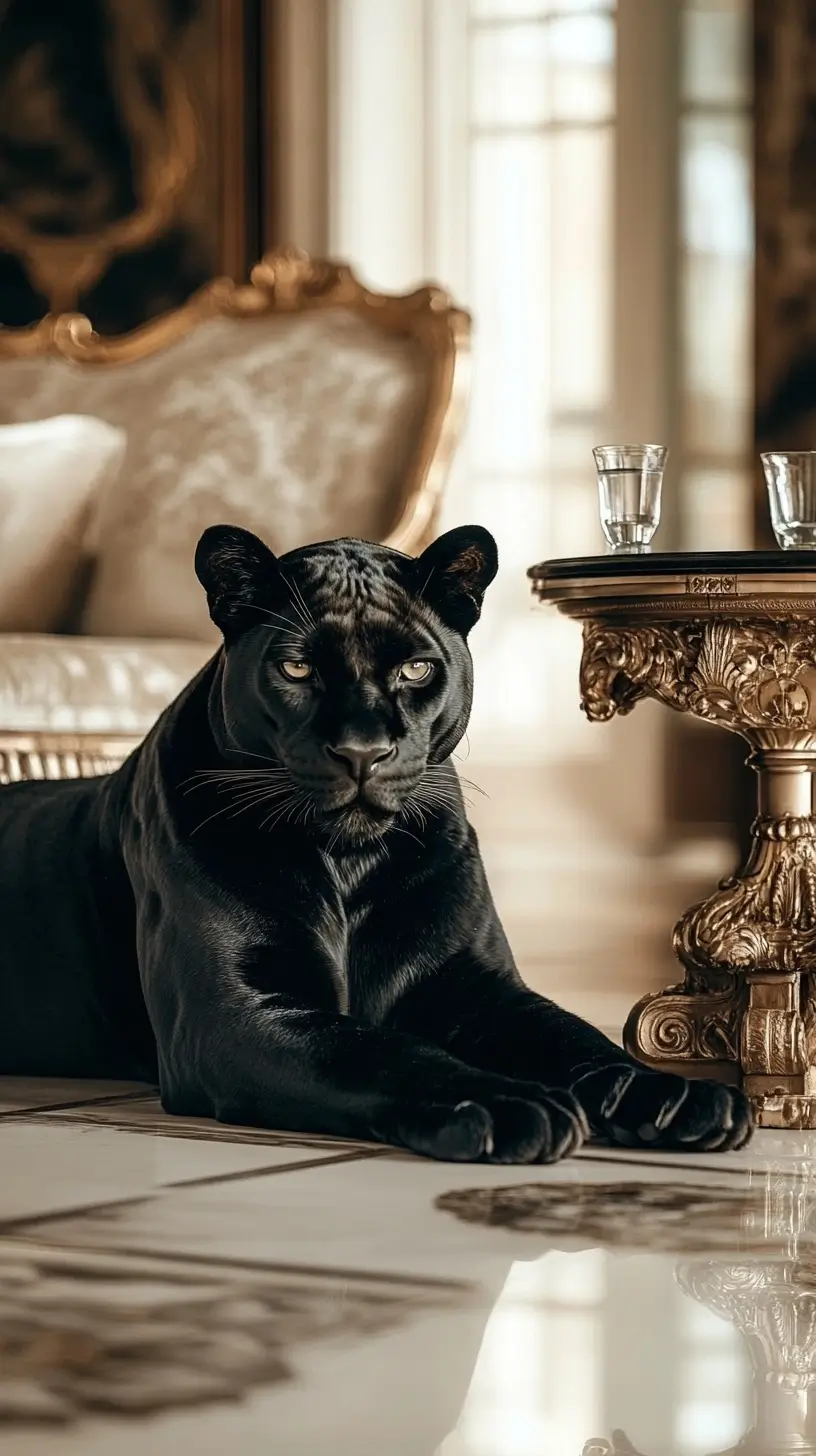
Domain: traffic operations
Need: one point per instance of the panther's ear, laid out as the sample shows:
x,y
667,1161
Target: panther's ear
x,y
454,573
239,575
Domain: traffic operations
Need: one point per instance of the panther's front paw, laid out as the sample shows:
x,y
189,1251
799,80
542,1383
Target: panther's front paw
x,y
535,1126
641,1108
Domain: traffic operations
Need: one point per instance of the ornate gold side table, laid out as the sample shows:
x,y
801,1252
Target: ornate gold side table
x,y
731,638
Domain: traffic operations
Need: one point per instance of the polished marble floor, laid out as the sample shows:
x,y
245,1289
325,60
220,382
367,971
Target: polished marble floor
x,y
171,1286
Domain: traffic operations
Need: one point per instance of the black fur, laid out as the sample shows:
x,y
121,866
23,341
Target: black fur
x,y
277,906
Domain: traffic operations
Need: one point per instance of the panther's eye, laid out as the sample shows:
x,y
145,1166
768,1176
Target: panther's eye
x,y
417,671
296,671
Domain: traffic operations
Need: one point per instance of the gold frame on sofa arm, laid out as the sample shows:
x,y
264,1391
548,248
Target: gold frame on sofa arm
x,y
289,281
61,755
285,281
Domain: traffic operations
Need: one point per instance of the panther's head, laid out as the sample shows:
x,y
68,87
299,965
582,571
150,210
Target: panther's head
x,y
346,671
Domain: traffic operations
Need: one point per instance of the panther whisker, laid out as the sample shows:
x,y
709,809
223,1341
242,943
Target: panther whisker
x,y
246,795
334,838
225,808
438,791
395,829
411,807
303,796
188,786
236,810
248,753
433,795
294,588
306,809
477,788
300,606
209,774
422,589
460,757
233,775
420,813
265,612
259,795
438,768
431,800
279,810
241,802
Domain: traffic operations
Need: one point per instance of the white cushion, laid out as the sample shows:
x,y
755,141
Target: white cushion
x,y
90,685
50,473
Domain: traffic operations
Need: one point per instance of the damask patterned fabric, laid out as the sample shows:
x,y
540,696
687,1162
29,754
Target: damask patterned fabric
x,y
90,685
51,473
296,426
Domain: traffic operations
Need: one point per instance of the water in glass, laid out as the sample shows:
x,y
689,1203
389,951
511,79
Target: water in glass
x,y
630,479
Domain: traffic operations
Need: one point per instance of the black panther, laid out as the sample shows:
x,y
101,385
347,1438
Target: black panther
x,y
277,909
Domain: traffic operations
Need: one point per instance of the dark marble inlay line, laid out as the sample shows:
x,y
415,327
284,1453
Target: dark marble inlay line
x,y
224,1264
28,1112
242,1175
35,1220
168,1125
669,1162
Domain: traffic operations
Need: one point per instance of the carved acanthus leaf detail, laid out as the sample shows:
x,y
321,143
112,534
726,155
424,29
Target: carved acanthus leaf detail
x,y
621,665
747,674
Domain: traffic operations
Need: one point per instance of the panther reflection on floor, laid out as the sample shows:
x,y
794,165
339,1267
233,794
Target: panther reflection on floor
x,y
277,906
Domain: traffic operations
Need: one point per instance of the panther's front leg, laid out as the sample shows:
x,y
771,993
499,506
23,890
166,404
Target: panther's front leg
x,y
237,1040
490,1019
289,1066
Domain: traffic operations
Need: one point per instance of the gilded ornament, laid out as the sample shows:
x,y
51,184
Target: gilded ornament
x,y
738,651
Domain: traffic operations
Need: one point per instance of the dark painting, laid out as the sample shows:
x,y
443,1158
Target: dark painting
x,y
115,166
785,187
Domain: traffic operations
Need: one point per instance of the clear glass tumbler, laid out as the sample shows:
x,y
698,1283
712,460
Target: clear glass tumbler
x,y
791,481
630,480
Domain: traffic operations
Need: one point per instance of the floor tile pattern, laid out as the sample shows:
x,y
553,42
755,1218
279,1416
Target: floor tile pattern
x,y
260,1291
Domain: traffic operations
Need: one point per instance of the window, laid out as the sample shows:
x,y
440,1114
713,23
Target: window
x,y
716,274
578,172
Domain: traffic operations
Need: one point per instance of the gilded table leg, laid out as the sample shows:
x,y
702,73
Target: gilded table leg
x,y
746,1009
749,953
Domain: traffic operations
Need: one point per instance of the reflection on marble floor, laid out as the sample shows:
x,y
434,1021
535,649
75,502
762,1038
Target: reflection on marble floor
x,y
85,1332
257,1292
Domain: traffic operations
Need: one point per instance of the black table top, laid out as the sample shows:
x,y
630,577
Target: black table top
x,y
673,563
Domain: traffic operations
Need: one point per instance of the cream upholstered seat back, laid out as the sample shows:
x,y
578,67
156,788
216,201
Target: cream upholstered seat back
x,y
301,406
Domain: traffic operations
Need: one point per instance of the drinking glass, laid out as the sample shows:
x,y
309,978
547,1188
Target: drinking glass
x,y
630,479
791,480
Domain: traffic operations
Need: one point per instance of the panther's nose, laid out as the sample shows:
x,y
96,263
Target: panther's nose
x,y
361,760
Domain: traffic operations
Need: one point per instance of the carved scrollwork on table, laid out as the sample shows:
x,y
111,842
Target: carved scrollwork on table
x,y
621,665
679,1025
765,918
749,949
751,676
